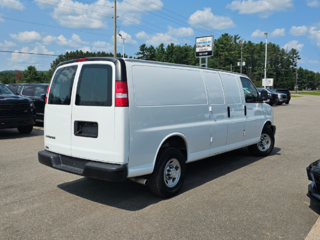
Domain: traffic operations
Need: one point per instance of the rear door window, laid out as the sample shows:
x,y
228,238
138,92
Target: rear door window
x,y
28,91
40,90
60,91
95,85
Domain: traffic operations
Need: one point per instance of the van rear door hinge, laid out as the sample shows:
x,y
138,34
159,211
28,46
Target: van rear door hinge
x,y
244,132
211,139
210,109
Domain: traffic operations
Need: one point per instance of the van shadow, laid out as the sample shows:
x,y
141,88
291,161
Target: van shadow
x,y
13,133
132,196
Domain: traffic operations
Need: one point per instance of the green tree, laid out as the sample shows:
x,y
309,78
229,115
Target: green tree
x,y
31,75
5,80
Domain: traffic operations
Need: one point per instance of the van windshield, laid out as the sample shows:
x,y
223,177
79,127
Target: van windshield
x,y
60,92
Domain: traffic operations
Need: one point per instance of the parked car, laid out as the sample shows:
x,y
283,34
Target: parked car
x,y
282,98
272,97
313,172
113,119
33,91
285,91
15,111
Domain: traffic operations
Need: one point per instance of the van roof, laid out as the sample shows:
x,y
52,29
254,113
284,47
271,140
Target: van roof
x,y
120,61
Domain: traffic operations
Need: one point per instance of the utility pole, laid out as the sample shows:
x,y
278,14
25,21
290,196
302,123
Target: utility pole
x,y
265,62
241,42
231,68
115,29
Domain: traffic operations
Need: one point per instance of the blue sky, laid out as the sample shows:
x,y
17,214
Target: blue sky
x,y
56,26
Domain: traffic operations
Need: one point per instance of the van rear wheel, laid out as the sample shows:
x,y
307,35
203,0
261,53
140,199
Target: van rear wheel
x,y
266,144
168,175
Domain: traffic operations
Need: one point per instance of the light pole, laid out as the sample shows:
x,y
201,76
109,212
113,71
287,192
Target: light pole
x,y
265,61
298,58
123,42
241,42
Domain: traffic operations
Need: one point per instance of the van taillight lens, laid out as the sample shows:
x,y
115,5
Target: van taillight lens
x,y
45,101
121,94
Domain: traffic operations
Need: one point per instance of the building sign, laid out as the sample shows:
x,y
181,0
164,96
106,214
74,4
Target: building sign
x,y
243,63
204,46
267,82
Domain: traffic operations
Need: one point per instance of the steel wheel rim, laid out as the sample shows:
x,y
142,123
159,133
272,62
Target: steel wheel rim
x,y
172,173
265,142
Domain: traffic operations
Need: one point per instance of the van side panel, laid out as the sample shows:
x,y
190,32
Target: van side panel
x,y
218,113
163,100
237,120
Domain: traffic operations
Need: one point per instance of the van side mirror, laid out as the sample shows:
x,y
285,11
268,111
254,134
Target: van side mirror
x,y
43,96
263,95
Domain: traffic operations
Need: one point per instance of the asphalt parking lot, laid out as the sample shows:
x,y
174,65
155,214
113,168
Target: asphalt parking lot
x,y
230,196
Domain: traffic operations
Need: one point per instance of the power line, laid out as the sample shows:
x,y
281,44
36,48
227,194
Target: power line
x,y
54,26
84,10
40,54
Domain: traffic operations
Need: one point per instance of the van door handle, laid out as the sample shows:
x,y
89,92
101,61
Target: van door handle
x,y
245,110
228,112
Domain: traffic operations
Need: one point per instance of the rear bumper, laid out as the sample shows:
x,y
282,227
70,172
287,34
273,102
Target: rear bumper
x,y
97,170
16,122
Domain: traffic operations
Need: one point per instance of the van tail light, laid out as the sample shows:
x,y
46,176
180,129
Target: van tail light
x,y
121,94
290,94
45,101
81,59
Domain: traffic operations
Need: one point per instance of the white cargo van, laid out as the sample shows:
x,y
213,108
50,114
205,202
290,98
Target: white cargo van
x,y
113,119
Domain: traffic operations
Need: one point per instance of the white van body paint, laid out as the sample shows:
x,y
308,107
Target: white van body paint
x,y
165,100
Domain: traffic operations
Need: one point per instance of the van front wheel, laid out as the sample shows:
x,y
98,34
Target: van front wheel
x,y
168,175
265,146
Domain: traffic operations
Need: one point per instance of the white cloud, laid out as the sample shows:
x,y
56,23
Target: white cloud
x,y
85,49
7,44
313,62
26,36
15,4
298,31
264,8
293,44
75,41
313,3
206,20
258,33
180,32
96,15
315,34
27,58
128,39
100,46
278,33
159,38
1,19
141,35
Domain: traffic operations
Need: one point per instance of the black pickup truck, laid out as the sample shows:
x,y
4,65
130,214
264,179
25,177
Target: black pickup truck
x,y
15,111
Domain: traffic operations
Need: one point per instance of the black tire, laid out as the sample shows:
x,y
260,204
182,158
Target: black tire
x,y
157,182
287,102
25,129
256,149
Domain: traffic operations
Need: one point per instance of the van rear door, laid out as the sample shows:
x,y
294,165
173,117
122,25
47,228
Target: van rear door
x,y
58,110
93,113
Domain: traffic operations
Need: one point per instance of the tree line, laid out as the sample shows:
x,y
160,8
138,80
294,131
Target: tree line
x,y
30,75
281,63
